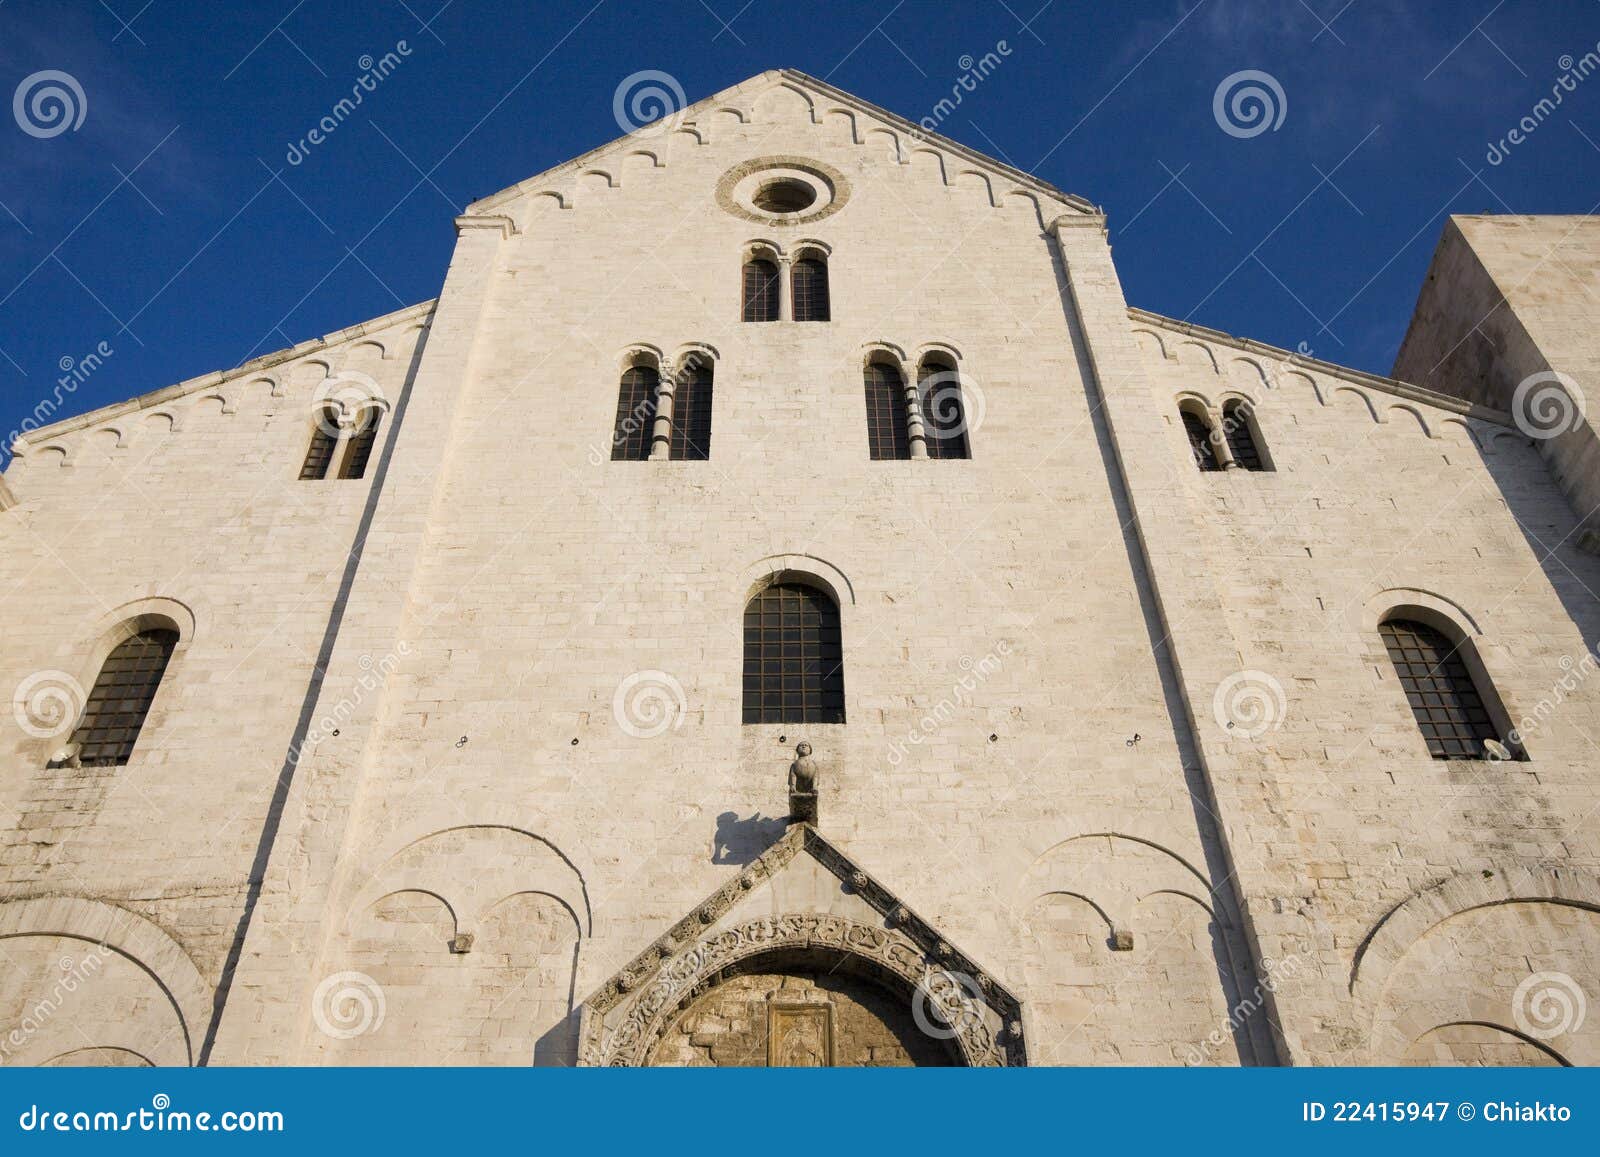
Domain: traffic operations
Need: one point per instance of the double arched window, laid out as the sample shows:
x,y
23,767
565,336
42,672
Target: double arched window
x,y
1233,442
1451,711
793,657
664,418
327,434
775,288
930,421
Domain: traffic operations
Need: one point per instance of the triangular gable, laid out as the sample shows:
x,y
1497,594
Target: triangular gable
x,y
803,893
824,98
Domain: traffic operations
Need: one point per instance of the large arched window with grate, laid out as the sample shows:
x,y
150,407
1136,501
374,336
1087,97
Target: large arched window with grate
x,y
359,452
123,692
1197,428
810,279
944,410
691,410
793,658
888,436
1239,427
760,290
636,414
1450,712
319,454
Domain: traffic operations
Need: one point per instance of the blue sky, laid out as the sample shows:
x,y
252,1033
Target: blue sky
x,y
170,225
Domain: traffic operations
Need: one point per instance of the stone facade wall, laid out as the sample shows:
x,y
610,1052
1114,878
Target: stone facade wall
x,y
1033,643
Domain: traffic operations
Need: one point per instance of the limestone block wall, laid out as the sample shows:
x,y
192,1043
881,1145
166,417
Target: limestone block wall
x,y
182,507
1001,694
1337,813
1503,318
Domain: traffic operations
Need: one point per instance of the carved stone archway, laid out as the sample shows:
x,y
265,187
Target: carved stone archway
x,y
625,1019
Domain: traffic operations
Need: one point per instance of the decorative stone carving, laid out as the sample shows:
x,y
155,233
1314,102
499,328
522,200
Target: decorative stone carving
x,y
624,1019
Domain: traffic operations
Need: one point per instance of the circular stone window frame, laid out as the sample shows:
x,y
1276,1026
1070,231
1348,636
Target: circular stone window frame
x,y
737,188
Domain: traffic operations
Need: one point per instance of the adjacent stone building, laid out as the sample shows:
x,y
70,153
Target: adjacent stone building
x,y
432,693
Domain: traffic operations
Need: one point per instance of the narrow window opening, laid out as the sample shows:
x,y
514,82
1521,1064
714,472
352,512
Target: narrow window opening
x,y
811,290
116,709
636,414
1445,701
793,657
887,434
760,290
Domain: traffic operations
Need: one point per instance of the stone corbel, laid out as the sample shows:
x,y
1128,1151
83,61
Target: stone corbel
x,y
506,226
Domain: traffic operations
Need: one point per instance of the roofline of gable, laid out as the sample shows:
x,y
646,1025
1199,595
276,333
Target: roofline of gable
x,y
1393,386
42,434
493,200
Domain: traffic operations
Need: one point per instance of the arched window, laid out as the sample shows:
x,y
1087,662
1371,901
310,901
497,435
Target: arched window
x,y
359,452
1239,427
793,659
1449,710
810,289
319,455
887,432
121,698
944,413
1198,430
636,414
691,411
760,290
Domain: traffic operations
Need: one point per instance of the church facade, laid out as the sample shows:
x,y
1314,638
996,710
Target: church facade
x,y
780,604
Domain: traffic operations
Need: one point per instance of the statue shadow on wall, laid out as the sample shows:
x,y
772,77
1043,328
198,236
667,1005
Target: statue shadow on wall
x,y
739,841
